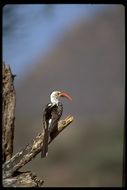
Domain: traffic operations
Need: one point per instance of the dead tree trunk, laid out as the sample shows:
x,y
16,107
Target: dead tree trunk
x,y
8,111
12,177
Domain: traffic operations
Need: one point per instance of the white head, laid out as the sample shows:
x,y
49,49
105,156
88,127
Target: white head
x,y
55,96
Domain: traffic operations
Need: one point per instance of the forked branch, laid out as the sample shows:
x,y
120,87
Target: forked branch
x,y
31,150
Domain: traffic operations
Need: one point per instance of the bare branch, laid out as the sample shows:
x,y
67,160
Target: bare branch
x,y
27,154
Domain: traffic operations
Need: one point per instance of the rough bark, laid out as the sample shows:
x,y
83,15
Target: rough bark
x,y
23,179
12,177
8,113
30,151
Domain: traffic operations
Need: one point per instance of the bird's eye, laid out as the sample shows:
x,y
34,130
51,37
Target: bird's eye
x,y
58,93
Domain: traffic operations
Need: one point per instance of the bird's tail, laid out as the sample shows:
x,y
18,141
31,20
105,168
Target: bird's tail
x,y
45,143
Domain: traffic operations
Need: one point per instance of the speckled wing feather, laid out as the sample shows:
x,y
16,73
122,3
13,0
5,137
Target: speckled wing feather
x,y
51,116
46,132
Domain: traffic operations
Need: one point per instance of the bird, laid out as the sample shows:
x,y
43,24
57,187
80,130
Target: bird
x,y
51,115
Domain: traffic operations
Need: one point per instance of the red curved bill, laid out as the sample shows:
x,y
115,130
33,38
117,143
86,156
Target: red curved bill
x,y
63,94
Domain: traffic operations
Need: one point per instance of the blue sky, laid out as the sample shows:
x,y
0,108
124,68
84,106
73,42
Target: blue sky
x,y
36,33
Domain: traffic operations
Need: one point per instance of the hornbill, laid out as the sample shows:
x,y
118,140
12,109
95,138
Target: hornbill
x,y
51,115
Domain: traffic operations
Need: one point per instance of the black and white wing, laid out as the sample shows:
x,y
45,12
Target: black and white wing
x,y
51,116
55,116
46,118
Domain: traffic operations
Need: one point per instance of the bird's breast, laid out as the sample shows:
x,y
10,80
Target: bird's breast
x,y
50,120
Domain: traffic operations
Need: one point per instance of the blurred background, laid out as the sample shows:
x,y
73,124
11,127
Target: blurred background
x,y
79,49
